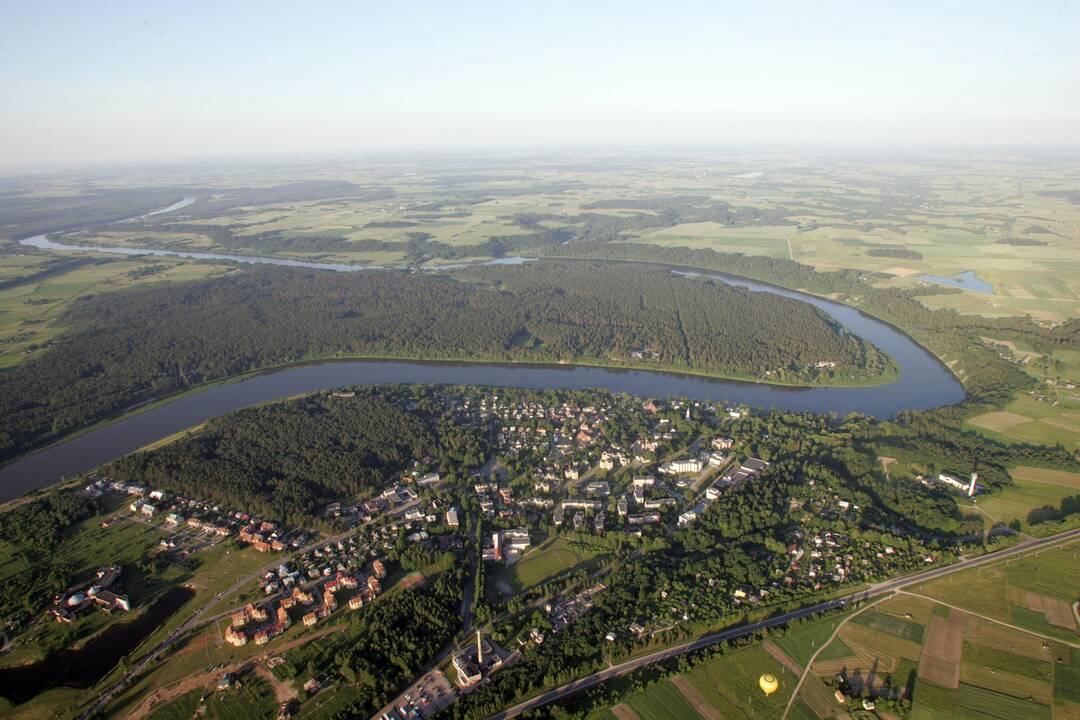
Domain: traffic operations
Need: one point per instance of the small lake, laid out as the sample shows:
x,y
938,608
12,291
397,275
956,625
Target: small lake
x,y
966,280
84,667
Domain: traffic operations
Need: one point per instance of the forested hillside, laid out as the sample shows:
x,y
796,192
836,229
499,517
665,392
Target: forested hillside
x,y
127,347
283,459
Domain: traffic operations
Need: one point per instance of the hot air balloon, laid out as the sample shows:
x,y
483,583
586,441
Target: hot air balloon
x,y
768,684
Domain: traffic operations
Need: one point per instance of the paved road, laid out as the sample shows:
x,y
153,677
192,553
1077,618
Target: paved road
x,y
197,620
874,590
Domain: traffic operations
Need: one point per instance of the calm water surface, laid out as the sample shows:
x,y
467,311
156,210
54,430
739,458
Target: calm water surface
x,y
967,280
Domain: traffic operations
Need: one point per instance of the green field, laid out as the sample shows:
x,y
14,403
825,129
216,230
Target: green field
x,y
1032,488
1000,590
548,559
972,703
1047,414
30,312
662,701
770,241
1001,659
730,684
890,624
836,650
1067,678
801,642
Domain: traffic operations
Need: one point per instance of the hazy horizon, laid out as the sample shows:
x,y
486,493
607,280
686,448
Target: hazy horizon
x,y
123,83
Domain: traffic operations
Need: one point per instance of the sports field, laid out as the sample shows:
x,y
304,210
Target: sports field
x,y
550,558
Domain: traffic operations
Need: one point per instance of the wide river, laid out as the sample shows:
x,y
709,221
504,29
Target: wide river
x,y
924,383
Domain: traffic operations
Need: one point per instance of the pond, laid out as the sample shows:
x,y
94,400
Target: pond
x,y
966,280
84,667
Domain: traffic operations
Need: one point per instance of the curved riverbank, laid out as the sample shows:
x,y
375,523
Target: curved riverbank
x,y
123,436
923,382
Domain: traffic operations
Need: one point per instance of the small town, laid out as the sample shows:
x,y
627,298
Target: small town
x,y
573,492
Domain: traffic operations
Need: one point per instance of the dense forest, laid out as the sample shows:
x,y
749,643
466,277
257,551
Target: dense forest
x,y
989,379
33,533
283,459
127,347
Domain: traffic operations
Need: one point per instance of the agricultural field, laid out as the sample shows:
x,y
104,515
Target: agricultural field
x,y
960,665
1049,414
730,684
802,641
30,311
724,687
1009,220
663,701
1034,592
986,650
769,240
551,557
1033,490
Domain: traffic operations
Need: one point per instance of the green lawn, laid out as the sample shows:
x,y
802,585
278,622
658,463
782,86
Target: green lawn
x,y
550,558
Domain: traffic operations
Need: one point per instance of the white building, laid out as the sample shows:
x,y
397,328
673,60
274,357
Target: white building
x,y
686,465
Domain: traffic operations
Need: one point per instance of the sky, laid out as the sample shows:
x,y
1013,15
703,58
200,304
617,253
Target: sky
x,y
115,82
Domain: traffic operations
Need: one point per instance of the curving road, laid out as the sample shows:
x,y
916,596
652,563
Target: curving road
x,y
874,591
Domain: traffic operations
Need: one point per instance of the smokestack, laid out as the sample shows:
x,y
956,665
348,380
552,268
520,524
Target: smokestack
x,y
971,487
479,650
